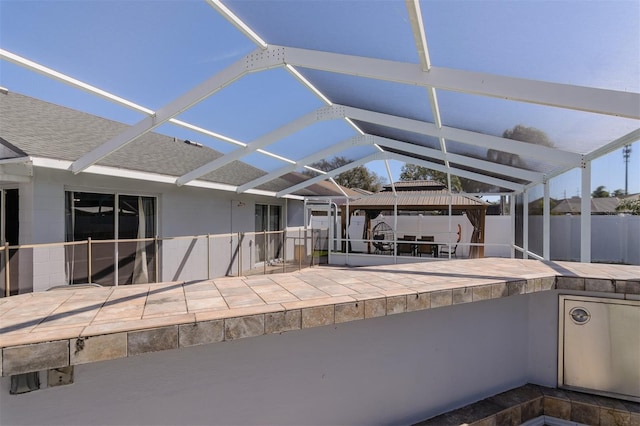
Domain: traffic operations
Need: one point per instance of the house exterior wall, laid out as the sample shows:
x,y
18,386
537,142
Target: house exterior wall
x,y
184,211
397,369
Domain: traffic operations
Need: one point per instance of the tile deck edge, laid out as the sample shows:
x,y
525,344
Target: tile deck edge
x,y
254,324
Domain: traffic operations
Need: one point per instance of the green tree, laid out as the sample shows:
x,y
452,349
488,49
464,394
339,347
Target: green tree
x,y
629,206
520,133
600,192
619,193
358,177
415,172
458,184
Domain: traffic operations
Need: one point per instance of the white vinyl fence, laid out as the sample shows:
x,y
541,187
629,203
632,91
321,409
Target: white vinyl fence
x,y
614,239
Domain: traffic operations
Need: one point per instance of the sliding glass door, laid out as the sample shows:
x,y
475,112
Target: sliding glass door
x,y
106,218
268,218
10,233
136,221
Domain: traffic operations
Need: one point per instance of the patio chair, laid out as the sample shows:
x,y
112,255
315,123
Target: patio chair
x,y
406,248
430,249
381,247
444,251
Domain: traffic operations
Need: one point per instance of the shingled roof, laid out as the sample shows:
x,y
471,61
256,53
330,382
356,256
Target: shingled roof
x,y
599,206
415,185
32,127
418,200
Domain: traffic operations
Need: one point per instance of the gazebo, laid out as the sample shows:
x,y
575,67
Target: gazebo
x,y
407,199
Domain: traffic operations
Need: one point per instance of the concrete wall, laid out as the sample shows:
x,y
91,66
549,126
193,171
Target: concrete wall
x,y
391,370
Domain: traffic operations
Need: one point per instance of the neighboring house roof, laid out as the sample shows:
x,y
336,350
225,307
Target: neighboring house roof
x,y
37,128
361,191
415,185
598,206
417,200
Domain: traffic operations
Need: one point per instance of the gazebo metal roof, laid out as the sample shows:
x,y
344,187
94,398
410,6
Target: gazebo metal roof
x,y
417,200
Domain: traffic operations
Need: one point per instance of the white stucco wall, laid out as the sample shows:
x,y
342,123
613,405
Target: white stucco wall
x,y
391,370
183,211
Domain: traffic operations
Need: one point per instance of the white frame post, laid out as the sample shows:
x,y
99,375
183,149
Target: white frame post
x,y
512,213
525,224
585,213
546,223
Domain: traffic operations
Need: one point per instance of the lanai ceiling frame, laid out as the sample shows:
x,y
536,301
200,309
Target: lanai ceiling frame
x,y
330,112
267,56
333,111
283,57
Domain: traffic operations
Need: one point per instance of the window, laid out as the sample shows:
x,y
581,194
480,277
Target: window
x,y
107,219
268,218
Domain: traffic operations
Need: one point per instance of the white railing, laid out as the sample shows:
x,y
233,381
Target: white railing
x,y
29,267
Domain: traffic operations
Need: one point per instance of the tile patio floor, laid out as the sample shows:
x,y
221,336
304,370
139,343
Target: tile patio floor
x,y
70,313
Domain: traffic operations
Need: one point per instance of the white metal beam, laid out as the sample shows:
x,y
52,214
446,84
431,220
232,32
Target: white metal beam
x,y
182,103
48,72
601,101
461,159
391,182
338,187
294,72
324,113
406,147
496,167
144,126
538,152
417,27
627,139
325,153
238,23
73,82
332,173
457,172
419,35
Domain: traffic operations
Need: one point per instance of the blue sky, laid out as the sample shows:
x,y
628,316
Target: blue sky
x,y
151,52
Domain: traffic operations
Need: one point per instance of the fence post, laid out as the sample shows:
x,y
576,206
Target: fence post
x,y
298,249
208,256
157,261
7,276
89,255
312,248
284,251
265,246
240,254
